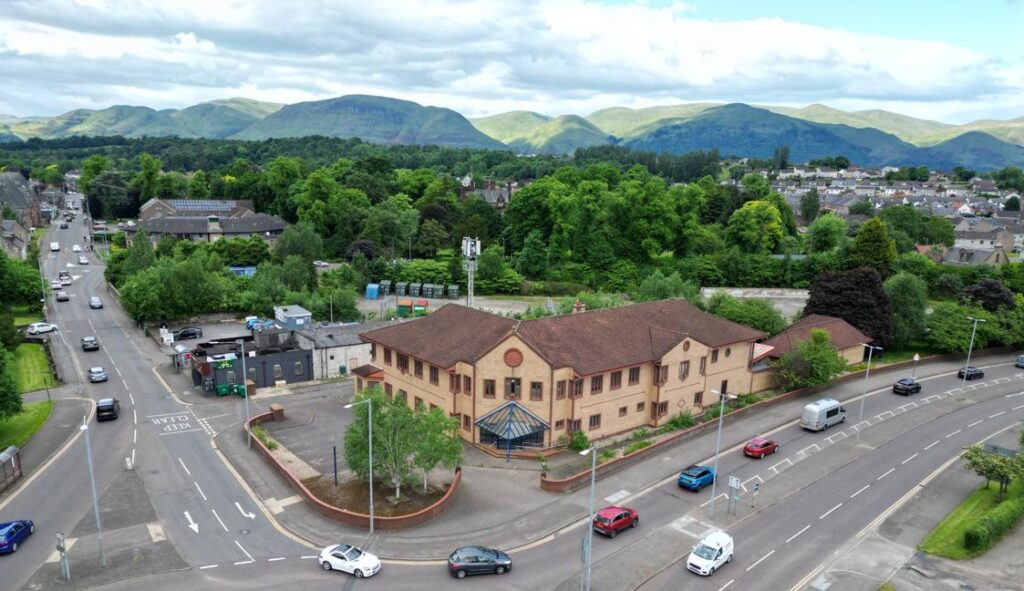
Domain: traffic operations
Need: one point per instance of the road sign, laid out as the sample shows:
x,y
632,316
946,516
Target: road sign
x,y
757,487
734,482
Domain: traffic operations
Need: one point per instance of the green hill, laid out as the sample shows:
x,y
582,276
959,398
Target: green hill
x,y
258,109
908,129
374,119
511,126
561,135
976,150
623,122
212,120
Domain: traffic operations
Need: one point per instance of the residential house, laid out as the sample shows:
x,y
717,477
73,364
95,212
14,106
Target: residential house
x,y
338,350
845,337
16,193
935,252
14,239
976,256
978,239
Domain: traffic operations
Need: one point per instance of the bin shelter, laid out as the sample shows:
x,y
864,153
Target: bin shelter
x,y
10,467
385,288
404,308
453,292
401,288
415,289
420,308
372,291
430,290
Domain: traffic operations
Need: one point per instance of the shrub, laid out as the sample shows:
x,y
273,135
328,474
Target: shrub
x,y
608,454
712,412
635,446
579,441
644,432
747,399
682,420
261,433
987,531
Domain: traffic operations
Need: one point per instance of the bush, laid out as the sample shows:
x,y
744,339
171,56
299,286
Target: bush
x,y
608,454
987,531
644,432
635,446
746,400
579,441
712,412
262,434
682,420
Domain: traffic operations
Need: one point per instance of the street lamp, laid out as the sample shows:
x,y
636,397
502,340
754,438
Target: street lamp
x,y
971,347
863,397
92,479
722,397
369,426
917,358
588,538
245,385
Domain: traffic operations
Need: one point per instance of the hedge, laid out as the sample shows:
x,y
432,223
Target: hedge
x,y
987,531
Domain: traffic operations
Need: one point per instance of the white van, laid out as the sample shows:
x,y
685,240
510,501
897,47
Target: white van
x,y
822,414
711,553
55,247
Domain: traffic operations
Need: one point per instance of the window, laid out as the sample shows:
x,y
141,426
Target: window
x,y
714,356
403,395
623,411
728,351
252,373
373,352
466,422
661,376
453,382
596,384
403,363
698,399
615,380
387,389
387,355
418,404
559,424
231,376
536,391
513,388
662,408
489,388
725,387
684,369
278,372
703,364
298,368
634,376
434,379
418,369
467,385
640,406
577,388
595,422
576,425
560,389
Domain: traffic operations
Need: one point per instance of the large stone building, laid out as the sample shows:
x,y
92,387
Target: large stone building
x,y
524,383
205,220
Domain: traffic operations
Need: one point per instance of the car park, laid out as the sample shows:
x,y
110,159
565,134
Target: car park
x,y
189,332
95,303
90,344
83,260
478,560
97,374
906,386
349,559
611,520
62,296
14,533
76,248
711,553
760,447
107,409
41,327
970,372
696,477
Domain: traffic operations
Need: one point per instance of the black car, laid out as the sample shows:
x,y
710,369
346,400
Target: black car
x,y
906,386
90,344
972,373
189,332
107,409
478,560
63,225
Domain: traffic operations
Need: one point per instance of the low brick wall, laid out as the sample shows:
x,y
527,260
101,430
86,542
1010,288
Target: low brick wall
x,y
581,479
352,518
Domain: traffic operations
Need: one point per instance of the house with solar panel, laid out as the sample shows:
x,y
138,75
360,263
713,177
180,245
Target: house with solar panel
x,y
205,220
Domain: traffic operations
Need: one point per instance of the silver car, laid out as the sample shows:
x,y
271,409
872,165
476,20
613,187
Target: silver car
x,y
95,303
97,374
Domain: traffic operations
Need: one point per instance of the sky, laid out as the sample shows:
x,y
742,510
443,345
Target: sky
x,y
947,61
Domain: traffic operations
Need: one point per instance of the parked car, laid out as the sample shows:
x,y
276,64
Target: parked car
x,y
760,447
107,409
1020,361
62,296
14,534
478,560
611,520
320,264
83,260
95,303
696,477
189,332
253,322
711,553
41,327
971,372
97,374
349,559
90,344
906,386
76,248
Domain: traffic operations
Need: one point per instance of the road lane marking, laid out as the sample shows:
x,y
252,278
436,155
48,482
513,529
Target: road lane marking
x,y
804,451
1015,395
135,436
829,512
953,433
135,417
219,520
180,461
191,524
891,470
306,557
133,456
722,588
1002,412
976,423
709,501
931,445
249,556
864,488
132,398
166,414
1018,407
275,559
908,459
241,562
200,490
793,537
208,566
759,561
242,511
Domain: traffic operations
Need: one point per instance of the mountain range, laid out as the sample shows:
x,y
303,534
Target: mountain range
x,y
867,138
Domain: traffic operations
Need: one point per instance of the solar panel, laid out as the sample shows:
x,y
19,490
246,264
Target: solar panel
x,y
201,204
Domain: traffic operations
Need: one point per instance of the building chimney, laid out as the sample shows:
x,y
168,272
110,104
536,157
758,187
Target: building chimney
x,y
579,307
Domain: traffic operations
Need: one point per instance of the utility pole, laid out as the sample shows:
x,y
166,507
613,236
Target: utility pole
x,y
470,252
970,349
95,500
245,385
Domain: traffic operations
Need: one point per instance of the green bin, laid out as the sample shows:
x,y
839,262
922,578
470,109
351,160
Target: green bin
x,y
223,389
239,390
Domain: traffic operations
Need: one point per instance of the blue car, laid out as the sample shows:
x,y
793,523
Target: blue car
x,y
14,533
696,477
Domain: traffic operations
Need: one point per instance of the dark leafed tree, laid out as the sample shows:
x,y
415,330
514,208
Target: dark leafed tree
x,y
856,296
810,205
990,294
873,247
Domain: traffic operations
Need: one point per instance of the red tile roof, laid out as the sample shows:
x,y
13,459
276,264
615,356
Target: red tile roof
x,y
844,335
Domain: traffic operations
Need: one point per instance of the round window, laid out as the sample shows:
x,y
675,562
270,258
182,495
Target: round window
x,y
513,358
686,345
727,351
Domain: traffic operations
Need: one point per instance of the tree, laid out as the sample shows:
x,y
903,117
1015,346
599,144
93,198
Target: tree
x,y
862,207
437,442
810,205
813,362
533,258
949,329
10,396
10,337
753,312
780,158
1012,204
391,224
171,185
990,294
992,466
395,442
140,254
145,180
873,247
432,237
856,296
491,263
826,233
756,227
198,188
91,168
656,286
908,295
300,239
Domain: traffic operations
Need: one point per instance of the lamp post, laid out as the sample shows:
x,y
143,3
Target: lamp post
x,y
971,347
92,480
369,427
863,397
916,359
722,396
245,385
588,538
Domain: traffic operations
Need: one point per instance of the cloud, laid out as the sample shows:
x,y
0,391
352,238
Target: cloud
x,y
480,57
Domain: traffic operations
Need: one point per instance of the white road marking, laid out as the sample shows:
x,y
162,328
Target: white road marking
x,y
191,524
241,562
785,461
804,451
756,477
829,438
208,566
133,456
979,421
180,461
135,436
908,459
864,488
1002,412
722,588
891,470
793,537
166,414
275,559
124,382
219,520
880,417
1018,407
708,502
612,498
132,398
179,432
135,417
249,556
953,433
306,557
759,560
1015,395
829,512
931,445
910,404
242,511
200,490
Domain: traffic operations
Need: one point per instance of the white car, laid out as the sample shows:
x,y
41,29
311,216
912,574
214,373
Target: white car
x,y
41,327
76,248
55,284
83,260
349,559
713,551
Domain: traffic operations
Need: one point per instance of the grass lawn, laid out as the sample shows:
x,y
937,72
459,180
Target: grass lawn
x,y
947,539
31,367
20,428
23,316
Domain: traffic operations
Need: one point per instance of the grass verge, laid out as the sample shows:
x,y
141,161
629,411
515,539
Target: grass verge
x,y
947,539
23,316
21,427
31,368
264,436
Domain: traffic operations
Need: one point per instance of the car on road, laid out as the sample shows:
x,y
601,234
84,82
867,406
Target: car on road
x,y
349,559
696,477
65,280
97,374
189,332
320,264
41,327
90,344
83,260
95,303
14,534
611,520
107,409
478,560
62,296
760,447
711,553
1020,361
971,372
55,284
906,386
63,225
76,248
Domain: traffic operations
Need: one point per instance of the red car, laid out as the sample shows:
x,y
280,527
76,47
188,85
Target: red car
x,y
611,520
760,447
